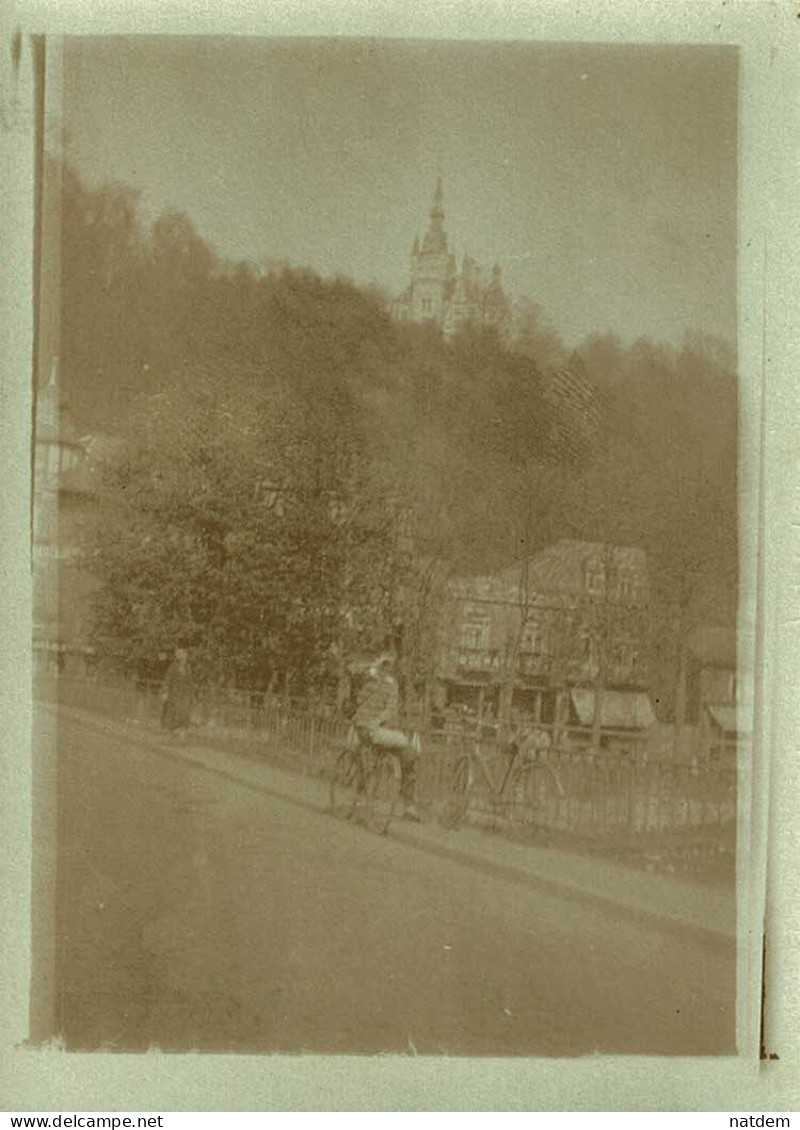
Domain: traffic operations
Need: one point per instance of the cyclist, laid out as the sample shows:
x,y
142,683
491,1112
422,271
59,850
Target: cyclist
x,y
376,719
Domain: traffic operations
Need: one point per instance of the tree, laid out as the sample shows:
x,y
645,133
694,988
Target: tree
x,y
667,482
557,456
489,446
105,317
534,337
236,522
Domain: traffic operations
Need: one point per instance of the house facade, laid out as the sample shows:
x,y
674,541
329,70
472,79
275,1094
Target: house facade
x,y
718,698
64,507
536,640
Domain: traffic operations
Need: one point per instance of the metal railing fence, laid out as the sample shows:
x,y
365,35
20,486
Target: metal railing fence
x,y
618,790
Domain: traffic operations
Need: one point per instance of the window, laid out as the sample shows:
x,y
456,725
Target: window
x,y
594,578
533,640
475,637
272,496
475,626
625,586
549,707
426,306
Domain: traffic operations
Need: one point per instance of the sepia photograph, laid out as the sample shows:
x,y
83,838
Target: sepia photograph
x,y
393,674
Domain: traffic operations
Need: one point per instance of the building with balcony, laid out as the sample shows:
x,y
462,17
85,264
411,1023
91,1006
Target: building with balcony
x,y
539,638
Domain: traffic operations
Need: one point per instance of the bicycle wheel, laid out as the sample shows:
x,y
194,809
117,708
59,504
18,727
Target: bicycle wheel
x,y
347,784
383,791
456,801
533,793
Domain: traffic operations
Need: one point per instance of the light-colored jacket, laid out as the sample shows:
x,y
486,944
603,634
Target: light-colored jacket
x,y
379,703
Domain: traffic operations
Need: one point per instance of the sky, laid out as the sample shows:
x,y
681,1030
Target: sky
x,y
601,178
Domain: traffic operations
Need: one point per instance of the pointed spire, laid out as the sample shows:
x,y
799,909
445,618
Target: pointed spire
x,y
415,248
437,211
435,241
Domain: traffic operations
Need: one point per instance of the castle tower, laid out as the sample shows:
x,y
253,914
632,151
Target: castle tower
x,y
439,293
432,267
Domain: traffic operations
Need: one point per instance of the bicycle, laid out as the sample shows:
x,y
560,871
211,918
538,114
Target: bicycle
x,y
526,791
369,775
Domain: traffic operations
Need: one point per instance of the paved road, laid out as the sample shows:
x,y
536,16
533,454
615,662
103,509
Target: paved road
x,y
196,912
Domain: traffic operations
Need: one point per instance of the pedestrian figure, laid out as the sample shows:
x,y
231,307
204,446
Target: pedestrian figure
x,y
177,696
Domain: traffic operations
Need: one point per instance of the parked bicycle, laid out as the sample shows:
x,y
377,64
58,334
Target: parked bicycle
x,y
369,776
524,793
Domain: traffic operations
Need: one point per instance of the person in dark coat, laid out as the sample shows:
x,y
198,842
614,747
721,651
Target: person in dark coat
x,y
177,695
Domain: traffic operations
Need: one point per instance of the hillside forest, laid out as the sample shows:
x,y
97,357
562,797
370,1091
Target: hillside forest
x,y
295,472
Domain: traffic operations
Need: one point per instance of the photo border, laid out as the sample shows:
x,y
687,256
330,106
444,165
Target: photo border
x,y
767,36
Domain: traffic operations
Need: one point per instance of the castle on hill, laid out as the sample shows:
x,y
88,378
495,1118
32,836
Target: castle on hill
x,y
438,292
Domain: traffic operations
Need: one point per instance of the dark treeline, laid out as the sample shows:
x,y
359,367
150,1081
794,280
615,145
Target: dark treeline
x,y
222,376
